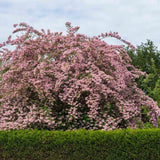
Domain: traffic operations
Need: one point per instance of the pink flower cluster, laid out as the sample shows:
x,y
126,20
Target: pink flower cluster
x,y
71,81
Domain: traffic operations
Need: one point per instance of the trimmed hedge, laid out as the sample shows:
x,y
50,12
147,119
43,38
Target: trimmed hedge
x,y
139,144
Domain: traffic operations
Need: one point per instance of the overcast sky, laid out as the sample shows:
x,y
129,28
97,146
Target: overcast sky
x,y
134,20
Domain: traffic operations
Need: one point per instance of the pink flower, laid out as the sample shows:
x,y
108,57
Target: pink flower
x,y
67,23
69,80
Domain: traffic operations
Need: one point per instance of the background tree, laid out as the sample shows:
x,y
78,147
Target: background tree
x,y
144,56
147,59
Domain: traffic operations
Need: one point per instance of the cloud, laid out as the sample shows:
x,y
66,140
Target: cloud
x,y
135,21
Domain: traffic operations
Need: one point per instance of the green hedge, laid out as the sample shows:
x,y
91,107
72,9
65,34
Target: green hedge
x,y
140,144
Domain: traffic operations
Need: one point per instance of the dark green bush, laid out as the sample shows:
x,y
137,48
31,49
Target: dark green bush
x,y
139,144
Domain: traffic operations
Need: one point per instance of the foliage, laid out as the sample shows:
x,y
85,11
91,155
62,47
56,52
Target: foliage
x,y
144,56
59,82
147,59
128,144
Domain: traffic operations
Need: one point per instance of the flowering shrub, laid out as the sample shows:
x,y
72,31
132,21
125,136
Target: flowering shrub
x,y
59,82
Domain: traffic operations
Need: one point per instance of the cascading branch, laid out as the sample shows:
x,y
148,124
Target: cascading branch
x,y
59,82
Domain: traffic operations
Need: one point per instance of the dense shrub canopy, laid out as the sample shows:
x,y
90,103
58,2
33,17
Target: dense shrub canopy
x,y
56,81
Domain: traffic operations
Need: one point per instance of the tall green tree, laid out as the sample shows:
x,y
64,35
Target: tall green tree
x,y
147,59
143,56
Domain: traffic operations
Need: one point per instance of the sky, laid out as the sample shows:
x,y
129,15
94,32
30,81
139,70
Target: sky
x,y
135,21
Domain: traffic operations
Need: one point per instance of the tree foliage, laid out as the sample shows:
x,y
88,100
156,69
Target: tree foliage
x,y
147,59
144,56
56,81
